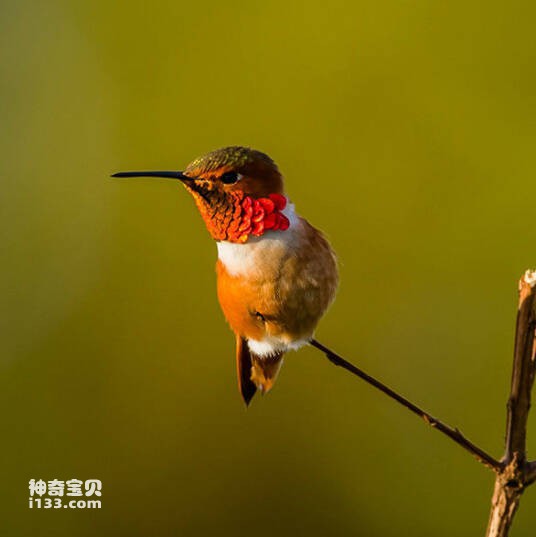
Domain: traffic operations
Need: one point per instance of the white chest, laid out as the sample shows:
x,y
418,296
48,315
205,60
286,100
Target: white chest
x,y
258,252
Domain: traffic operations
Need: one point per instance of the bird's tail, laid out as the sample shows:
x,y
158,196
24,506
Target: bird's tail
x,y
255,372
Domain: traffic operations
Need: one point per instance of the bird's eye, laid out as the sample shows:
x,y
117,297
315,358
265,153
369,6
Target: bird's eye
x,y
229,178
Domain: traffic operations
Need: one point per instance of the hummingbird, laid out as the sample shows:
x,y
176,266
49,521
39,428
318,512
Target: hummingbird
x,y
276,273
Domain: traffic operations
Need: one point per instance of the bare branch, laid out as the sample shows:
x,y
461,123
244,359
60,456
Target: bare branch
x,y
523,369
513,473
453,434
517,473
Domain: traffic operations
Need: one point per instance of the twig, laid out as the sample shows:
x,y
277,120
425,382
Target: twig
x,y
531,473
453,434
517,473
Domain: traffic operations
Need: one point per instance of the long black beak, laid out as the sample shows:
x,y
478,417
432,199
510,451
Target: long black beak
x,y
168,175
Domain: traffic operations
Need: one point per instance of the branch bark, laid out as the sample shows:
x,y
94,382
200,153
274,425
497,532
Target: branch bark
x,y
517,473
513,473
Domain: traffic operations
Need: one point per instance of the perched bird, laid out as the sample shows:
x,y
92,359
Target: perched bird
x,y
277,274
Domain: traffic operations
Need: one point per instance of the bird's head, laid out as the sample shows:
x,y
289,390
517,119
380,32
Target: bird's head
x,y
238,191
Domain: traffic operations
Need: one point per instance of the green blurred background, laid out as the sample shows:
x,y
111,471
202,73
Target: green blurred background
x,y
406,130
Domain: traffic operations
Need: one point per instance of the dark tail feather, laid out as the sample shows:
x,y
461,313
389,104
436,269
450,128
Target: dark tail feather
x,y
255,372
264,370
243,369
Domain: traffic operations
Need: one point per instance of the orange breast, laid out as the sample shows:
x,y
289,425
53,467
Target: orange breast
x,y
237,297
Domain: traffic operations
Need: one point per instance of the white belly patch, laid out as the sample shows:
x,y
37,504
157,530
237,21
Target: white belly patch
x,y
271,345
